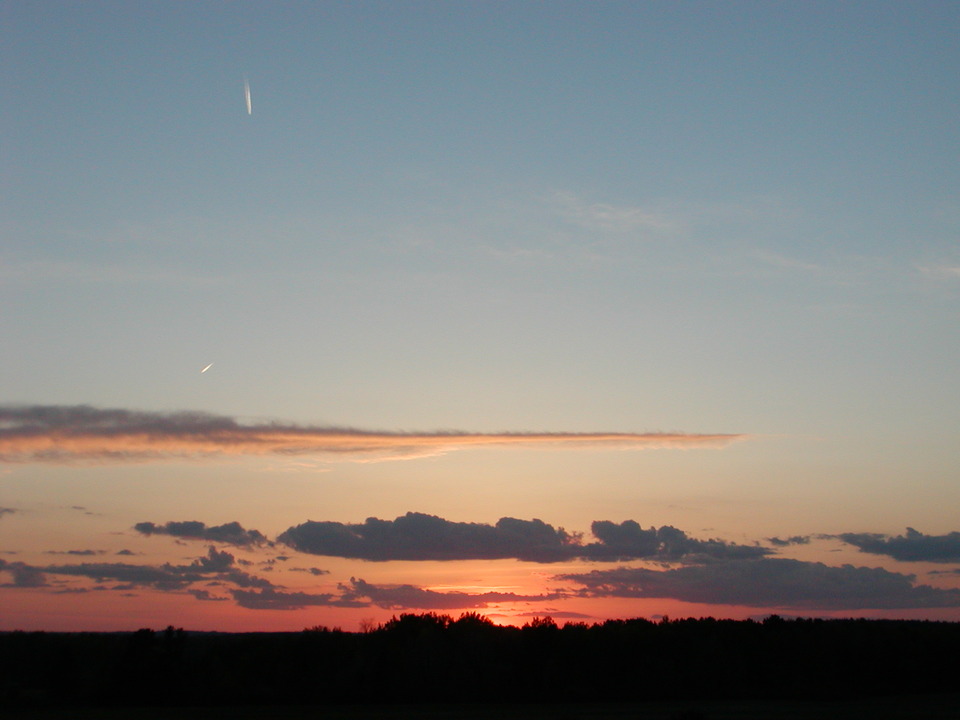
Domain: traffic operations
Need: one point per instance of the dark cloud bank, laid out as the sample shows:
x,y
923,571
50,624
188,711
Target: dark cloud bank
x,y
912,547
769,582
417,536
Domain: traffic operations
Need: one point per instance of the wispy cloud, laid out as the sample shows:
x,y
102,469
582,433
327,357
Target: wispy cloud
x,y
311,570
63,434
606,217
783,261
941,271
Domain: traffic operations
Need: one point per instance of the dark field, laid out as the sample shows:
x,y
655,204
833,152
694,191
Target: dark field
x,y
426,667
945,707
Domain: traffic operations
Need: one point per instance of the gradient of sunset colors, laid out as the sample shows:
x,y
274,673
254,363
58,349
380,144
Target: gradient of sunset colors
x,y
588,310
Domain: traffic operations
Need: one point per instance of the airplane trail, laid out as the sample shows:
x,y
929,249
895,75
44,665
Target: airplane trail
x,y
65,434
246,94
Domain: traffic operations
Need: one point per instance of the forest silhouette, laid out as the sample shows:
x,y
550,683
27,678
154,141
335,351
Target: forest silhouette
x,y
418,658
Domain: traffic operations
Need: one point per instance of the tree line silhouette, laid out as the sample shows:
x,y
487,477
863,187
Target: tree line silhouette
x,y
429,657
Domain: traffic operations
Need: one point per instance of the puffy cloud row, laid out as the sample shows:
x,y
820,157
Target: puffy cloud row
x,y
417,536
712,571
83,433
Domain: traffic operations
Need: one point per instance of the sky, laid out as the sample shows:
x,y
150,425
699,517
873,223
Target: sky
x,y
319,313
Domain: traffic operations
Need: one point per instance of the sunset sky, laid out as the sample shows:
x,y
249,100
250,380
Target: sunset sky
x,y
581,309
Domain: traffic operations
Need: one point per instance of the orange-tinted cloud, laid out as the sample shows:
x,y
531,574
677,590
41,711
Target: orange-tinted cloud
x,y
63,434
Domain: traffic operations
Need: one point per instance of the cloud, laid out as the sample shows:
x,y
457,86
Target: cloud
x,y
417,536
271,599
215,564
793,540
215,561
123,572
605,217
24,576
628,540
7,511
245,579
160,578
63,434
769,583
231,533
914,546
311,570
940,271
399,597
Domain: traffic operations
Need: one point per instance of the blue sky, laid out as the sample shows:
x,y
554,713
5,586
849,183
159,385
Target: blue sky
x,y
701,218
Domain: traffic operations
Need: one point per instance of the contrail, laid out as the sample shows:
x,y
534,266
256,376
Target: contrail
x,y
206,368
246,95
66,434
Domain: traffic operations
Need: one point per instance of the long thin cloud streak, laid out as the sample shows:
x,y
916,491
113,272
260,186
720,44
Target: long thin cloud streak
x,y
246,95
59,434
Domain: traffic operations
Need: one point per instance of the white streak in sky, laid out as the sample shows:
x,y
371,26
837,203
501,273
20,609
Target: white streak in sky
x,y
206,368
246,95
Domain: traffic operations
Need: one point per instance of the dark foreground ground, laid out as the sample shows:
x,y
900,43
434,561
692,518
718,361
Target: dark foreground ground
x,y
431,667
934,707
